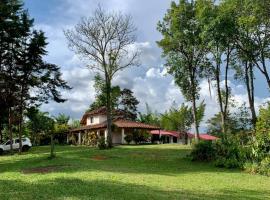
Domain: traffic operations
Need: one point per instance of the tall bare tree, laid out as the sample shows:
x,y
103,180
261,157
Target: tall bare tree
x,y
106,40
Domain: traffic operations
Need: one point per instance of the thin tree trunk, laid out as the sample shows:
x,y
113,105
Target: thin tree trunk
x,y
109,114
52,147
194,107
249,76
217,73
9,130
194,111
20,121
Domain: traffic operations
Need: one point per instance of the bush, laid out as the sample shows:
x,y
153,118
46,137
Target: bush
x,y
203,151
128,138
229,153
262,167
90,139
140,136
101,143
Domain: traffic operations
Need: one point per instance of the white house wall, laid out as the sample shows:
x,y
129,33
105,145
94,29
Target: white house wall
x,y
96,120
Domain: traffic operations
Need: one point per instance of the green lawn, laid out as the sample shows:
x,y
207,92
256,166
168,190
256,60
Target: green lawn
x,y
125,172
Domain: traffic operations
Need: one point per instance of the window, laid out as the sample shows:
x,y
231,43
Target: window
x,y
8,142
91,120
17,141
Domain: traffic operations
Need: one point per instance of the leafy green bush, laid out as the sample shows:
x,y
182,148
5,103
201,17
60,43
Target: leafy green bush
x,y
229,153
128,138
262,167
102,143
140,136
203,151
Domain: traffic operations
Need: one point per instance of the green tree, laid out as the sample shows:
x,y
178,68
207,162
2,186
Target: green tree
x,y
184,50
23,69
177,119
100,97
149,117
219,32
104,39
128,103
62,119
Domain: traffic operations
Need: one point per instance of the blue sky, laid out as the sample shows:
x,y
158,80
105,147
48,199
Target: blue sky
x,y
149,82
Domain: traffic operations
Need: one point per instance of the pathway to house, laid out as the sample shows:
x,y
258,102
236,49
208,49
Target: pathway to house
x,y
125,172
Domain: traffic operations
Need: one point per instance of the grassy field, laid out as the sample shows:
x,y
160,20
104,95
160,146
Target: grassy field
x,y
125,172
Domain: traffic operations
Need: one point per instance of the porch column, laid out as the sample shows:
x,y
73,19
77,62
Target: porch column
x,y
98,133
106,135
171,139
79,138
123,136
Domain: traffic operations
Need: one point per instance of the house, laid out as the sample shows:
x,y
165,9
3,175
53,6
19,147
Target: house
x,y
179,137
96,122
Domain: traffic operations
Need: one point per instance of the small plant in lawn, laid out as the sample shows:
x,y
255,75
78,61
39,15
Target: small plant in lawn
x,y
102,143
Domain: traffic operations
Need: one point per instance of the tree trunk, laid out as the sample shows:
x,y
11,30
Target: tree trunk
x,y
217,73
52,147
9,130
194,112
249,76
109,113
265,72
20,121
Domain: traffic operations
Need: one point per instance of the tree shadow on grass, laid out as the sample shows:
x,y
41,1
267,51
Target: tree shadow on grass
x,y
137,160
63,188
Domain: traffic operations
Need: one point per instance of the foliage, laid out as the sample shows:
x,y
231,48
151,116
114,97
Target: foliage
x,y
128,138
90,139
230,154
128,103
149,117
102,143
262,167
203,151
62,119
179,119
184,50
100,97
120,99
25,78
140,136
226,152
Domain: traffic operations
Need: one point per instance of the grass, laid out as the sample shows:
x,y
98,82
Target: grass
x,y
125,172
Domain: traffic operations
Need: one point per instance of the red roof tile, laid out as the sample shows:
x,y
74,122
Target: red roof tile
x,y
131,124
119,123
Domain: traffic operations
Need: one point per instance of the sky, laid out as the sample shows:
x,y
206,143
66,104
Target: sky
x,y
149,82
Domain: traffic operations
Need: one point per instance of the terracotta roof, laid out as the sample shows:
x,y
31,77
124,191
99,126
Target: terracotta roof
x,y
163,132
131,124
98,111
119,123
90,127
176,134
102,111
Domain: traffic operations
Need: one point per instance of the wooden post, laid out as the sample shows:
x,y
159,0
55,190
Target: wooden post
x,y
79,138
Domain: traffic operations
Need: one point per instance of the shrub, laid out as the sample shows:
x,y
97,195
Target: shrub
x,y
128,138
101,143
203,151
229,153
140,136
90,139
262,167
